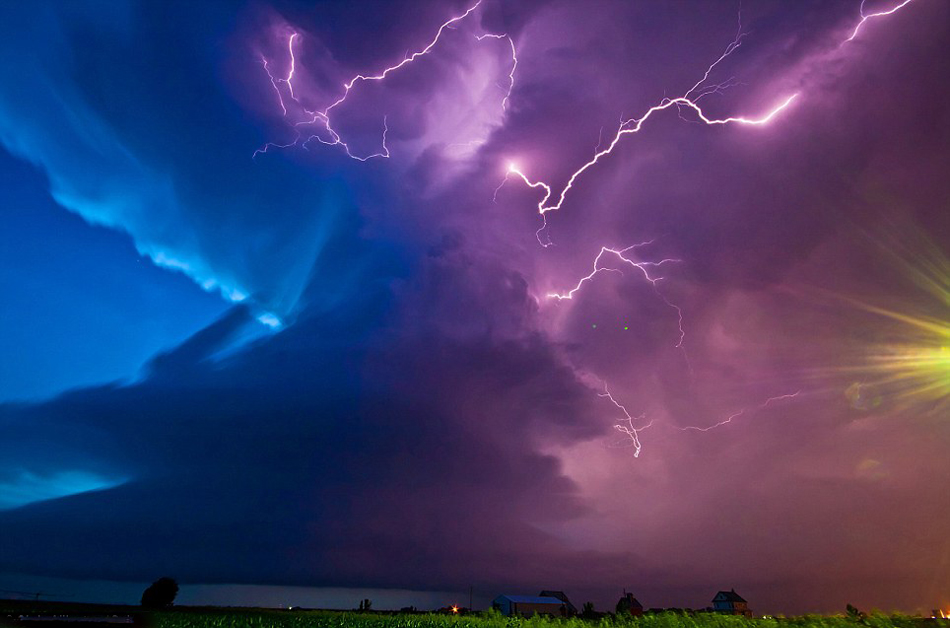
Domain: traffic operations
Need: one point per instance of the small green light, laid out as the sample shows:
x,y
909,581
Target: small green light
x,y
626,328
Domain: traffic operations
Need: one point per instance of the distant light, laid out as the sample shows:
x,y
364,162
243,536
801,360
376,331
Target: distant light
x,y
455,608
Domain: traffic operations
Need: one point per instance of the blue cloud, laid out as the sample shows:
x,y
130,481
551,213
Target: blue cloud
x,y
25,487
144,138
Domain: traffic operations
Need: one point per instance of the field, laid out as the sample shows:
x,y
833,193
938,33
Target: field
x,y
188,617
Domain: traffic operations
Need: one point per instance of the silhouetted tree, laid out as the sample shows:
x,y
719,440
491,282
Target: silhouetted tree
x,y
366,604
161,594
588,611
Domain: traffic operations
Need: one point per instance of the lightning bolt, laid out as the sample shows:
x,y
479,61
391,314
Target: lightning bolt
x,y
865,18
324,116
643,267
384,153
408,59
687,106
684,102
627,425
629,127
688,101
514,64
276,82
740,413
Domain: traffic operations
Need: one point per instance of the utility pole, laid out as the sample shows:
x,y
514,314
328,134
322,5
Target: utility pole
x,y
470,598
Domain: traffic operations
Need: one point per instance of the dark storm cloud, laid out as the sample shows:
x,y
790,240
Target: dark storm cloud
x,y
402,449
429,417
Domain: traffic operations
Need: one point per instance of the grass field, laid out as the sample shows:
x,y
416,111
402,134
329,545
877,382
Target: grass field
x,y
189,617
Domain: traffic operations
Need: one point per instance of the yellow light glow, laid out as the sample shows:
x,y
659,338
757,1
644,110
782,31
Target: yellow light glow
x,y
909,365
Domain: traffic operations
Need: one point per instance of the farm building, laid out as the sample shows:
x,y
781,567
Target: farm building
x,y
571,609
629,604
528,605
731,603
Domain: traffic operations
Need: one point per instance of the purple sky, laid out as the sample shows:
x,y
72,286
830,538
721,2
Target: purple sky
x,y
390,397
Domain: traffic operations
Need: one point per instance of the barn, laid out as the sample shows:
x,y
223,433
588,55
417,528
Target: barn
x,y
528,605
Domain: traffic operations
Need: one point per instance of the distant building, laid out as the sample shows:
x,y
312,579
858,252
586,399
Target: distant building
x,y
528,605
629,604
571,609
731,603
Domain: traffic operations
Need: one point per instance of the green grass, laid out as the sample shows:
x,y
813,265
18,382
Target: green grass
x,y
326,619
192,617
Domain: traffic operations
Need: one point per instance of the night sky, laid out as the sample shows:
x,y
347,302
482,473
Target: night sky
x,y
259,328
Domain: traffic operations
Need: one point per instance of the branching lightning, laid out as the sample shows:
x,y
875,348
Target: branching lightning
x,y
866,17
688,108
627,425
619,253
633,125
643,267
687,101
629,127
324,116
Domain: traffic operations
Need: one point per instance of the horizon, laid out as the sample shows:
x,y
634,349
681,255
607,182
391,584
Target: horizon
x,y
303,598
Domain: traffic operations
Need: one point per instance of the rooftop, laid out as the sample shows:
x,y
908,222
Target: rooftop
x,y
729,596
531,599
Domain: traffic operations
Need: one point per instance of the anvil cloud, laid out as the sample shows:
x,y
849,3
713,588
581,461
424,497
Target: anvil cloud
x,y
424,415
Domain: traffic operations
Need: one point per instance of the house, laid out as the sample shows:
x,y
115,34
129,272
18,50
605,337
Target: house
x,y
731,603
629,604
528,605
571,609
